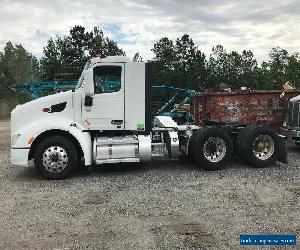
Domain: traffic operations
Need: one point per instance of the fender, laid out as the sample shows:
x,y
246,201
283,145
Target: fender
x,y
28,133
85,141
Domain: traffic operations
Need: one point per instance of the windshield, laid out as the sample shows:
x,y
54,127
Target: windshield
x,y
87,65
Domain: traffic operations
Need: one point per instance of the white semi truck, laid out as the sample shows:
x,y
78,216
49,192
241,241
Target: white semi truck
x,y
107,119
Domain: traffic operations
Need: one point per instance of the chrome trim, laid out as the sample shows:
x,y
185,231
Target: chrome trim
x,y
290,133
55,159
263,147
214,149
124,160
172,142
145,151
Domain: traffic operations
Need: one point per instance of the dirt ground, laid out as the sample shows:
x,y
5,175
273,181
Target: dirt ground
x,y
158,205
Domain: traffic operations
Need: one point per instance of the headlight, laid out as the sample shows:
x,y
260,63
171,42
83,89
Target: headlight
x,y
14,139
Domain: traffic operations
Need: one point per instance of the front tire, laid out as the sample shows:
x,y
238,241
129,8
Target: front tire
x,y
55,157
212,148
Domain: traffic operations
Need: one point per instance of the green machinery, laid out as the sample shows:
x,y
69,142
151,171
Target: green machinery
x,y
37,89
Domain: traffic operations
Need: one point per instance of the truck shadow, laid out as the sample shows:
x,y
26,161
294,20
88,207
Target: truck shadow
x,y
183,165
28,174
294,149
159,165
126,168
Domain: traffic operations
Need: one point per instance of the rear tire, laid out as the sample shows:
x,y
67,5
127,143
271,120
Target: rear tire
x,y
259,146
55,157
211,148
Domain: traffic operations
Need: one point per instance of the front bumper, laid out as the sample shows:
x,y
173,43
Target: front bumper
x,y
19,156
289,133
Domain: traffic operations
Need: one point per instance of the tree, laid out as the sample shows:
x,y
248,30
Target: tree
x,y
293,69
277,66
232,68
280,68
179,62
190,63
163,62
65,56
249,70
15,67
51,61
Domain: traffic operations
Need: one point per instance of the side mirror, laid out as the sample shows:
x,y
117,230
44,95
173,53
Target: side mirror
x,y
88,82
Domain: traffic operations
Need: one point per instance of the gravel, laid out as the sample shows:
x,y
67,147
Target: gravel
x,y
146,206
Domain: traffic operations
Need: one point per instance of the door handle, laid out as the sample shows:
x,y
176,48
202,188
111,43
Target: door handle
x,y
116,122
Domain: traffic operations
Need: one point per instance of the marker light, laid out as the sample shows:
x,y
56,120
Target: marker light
x,y
30,141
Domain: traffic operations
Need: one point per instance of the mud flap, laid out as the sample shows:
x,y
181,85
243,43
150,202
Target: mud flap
x,y
282,151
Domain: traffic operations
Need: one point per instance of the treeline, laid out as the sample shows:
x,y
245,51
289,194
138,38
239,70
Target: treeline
x,y
179,62
182,63
64,57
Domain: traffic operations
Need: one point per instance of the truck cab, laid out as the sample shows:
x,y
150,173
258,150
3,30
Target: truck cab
x,y
107,118
112,88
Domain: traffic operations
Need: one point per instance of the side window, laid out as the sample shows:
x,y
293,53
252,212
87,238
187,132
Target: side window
x,y
107,79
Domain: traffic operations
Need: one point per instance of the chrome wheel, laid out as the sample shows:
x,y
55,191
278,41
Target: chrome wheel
x,y
263,147
214,149
55,159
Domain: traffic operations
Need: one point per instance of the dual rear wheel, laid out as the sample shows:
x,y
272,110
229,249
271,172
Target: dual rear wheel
x,y
212,147
259,146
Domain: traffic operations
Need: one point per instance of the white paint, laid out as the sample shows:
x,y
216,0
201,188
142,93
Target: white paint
x,y
295,99
164,122
19,157
134,95
106,106
29,121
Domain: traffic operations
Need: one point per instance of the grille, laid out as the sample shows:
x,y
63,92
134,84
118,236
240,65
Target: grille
x,y
294,114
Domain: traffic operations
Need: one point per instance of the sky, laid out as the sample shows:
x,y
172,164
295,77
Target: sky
x,y
256,25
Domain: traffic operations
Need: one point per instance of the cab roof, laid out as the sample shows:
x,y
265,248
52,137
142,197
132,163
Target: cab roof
x,y
111,59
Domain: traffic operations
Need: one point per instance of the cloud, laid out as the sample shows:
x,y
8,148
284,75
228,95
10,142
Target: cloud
x,y
136,25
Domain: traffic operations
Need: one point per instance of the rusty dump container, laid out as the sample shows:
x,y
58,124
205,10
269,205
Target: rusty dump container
x,y
243,107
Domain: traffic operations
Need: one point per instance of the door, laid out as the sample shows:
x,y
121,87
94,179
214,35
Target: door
x,y
107,110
